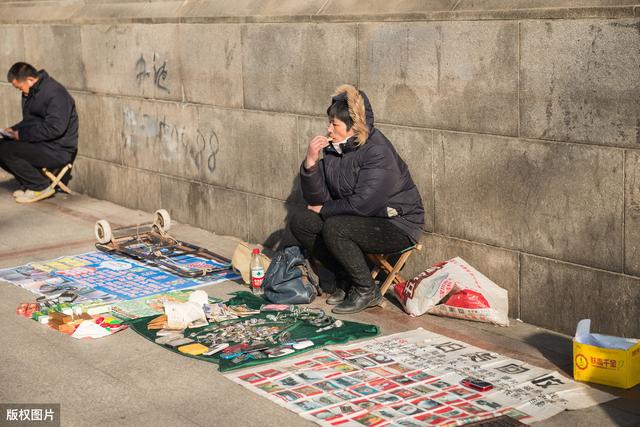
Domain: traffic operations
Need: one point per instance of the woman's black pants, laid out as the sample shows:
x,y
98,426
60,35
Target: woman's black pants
x,y
341,242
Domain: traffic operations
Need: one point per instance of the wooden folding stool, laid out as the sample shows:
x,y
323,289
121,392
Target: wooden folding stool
x,y
56,180
393,271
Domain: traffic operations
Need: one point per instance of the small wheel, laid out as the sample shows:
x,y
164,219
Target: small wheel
x,y
103,233
162,219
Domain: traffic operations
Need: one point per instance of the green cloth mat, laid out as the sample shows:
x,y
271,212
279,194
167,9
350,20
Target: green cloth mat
x,y
347,332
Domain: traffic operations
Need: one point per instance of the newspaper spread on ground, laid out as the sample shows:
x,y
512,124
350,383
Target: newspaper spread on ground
x,y
414,379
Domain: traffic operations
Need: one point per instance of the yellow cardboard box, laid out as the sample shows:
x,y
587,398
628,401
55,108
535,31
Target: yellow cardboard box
x,y
617,368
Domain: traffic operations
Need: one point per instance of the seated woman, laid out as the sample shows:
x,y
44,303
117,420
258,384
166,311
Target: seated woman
x,y
361,200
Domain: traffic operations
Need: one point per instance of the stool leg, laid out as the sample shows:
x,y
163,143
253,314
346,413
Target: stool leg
x,y
57,180
64,188
394,271
377,260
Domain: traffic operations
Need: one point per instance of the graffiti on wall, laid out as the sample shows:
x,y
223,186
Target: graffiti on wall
x,y
158,72
208,143
200,145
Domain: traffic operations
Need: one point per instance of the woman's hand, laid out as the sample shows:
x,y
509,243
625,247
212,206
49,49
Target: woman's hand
x,y
313,151
10,133
315,208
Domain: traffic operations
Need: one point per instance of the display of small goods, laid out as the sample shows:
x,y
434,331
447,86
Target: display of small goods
x,y
246,331
240,333
66,317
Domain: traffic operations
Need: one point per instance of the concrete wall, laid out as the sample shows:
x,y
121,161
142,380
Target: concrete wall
x,y
520,122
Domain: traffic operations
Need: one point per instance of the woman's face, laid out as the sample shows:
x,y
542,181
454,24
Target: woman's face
x,y
337,130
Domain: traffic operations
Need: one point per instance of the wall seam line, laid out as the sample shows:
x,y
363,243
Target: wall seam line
x,y
568,13
244,91
624,211
298,140
381,123
248,217
179,37
358,55
433,179
519,67
519,285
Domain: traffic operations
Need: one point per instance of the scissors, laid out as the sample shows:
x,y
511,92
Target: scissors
x,y
51,288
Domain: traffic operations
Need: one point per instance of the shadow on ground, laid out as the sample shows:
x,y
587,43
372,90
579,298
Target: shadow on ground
x,y
556,348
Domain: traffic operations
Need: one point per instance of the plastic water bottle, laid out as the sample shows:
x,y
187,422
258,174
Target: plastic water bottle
x,y
257,272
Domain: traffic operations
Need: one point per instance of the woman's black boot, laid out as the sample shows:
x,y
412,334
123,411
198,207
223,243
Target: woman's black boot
x,y
359,299
336,297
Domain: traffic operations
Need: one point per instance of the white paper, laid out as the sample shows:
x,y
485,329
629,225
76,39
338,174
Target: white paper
x,y
583,336
89,329
179,315
526,392
199,297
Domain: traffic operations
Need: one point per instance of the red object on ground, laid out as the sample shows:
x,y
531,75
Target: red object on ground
x,y
26,309
467,298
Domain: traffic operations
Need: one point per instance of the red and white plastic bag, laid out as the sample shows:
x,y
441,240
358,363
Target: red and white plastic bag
x,y
454,289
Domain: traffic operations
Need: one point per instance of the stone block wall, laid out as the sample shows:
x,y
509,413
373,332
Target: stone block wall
x,y
520,122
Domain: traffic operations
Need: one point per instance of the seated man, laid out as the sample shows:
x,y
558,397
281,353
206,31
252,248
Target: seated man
x,y
47,136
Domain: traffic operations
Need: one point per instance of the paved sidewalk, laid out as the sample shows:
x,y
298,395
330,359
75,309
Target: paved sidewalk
x,y
129,381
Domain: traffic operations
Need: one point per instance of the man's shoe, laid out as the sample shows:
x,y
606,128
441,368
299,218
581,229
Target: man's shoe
x,y
356,302
18,193
31,196
336,297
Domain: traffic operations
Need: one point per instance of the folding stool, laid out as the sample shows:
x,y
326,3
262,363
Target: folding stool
x,y
56,180
393,271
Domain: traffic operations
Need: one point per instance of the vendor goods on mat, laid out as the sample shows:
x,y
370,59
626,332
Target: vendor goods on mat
x,y
152,244
454,289
247,331
152,305
415,378
74,319
102,276
34,309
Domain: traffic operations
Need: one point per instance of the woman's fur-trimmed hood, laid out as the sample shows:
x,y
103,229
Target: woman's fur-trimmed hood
x,y
359,110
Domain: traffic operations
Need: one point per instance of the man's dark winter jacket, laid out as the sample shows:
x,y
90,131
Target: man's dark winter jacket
x,y
49,116
366,180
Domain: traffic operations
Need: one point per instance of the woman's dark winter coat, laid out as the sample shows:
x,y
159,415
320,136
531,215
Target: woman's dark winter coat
x,y
365,180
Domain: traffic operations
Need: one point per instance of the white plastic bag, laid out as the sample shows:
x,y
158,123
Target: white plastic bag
x,y
455,289
181,314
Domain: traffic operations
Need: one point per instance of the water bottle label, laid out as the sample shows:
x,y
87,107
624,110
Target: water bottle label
x,y
257,276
